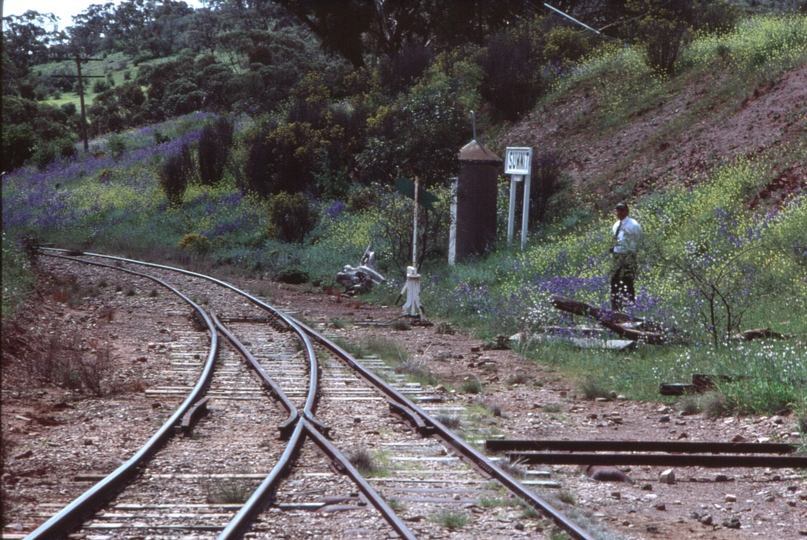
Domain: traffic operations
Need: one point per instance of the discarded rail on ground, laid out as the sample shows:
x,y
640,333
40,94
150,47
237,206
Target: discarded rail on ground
x,y
655,453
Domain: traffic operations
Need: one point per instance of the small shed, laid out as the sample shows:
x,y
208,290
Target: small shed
x,y
477,188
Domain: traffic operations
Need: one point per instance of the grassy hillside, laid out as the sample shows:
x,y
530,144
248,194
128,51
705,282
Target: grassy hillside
x,y
713,160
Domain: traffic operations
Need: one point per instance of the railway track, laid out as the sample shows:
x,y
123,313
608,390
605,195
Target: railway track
x,y
300,439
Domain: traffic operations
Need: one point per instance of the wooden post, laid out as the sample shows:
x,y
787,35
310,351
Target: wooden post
x,y
83,113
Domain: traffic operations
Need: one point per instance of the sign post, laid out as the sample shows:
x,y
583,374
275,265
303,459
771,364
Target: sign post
x,y
517,163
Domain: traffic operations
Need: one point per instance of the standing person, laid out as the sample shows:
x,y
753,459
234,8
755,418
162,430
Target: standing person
x,y
627,235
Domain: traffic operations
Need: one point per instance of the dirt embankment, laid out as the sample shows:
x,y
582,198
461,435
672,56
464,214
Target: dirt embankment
x,y
676,138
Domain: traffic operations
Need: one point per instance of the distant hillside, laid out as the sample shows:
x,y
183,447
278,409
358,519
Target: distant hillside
x,y
673,132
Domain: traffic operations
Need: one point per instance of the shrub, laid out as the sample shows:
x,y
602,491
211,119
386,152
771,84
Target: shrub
x,y
663,41
290,217
228,491
448,420
195,242
363,461
512,77
565,46
176,174
18,279
292,275
63,363
409,64
116,145
716,16
471,386
100,85
567,496
214,150
69,109
47,152
362,197
544,183
593,388
18,145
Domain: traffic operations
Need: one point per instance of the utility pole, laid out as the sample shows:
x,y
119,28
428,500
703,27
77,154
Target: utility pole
x,y
83,112
81,78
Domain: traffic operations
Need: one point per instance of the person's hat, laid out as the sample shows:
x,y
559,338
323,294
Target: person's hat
x,y
621,206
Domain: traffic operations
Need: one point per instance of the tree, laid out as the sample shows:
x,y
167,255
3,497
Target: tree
x,y
25,38
353,28
512,75
419,135
339,25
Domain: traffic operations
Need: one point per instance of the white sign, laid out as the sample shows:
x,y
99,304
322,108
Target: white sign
x,y
518,160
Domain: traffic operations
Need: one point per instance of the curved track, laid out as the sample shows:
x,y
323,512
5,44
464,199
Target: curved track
x,y
314,398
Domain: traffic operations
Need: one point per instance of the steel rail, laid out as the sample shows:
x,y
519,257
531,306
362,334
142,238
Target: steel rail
x,y
464,449
372,495
262,496
460,446
277,392
516,445
661,460
290,322
71,517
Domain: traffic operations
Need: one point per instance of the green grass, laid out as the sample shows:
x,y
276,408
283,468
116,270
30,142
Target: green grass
x,y
703,235
450,520
17,277
487,502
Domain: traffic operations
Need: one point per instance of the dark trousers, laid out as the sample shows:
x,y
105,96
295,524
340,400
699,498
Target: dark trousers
x,y
622,276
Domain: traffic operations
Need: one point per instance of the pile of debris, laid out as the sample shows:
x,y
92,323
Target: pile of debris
x,y
360,279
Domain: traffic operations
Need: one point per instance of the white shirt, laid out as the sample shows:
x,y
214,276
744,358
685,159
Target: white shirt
x,y
628,235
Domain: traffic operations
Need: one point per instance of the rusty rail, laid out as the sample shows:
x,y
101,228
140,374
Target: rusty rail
x,y
71,516
480,461
660,460
262,496
681,447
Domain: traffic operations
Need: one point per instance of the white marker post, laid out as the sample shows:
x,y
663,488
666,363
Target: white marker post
x,y
518,163
412,288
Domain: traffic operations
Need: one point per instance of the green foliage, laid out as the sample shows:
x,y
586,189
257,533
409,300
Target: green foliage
x,y
292,275
565,46
291,217
512,77
195,242
47,152
33,131
116,145
175,175
18,145
214,150
593,388
419,135
664,40
18,279
450,520
100,85
471,386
